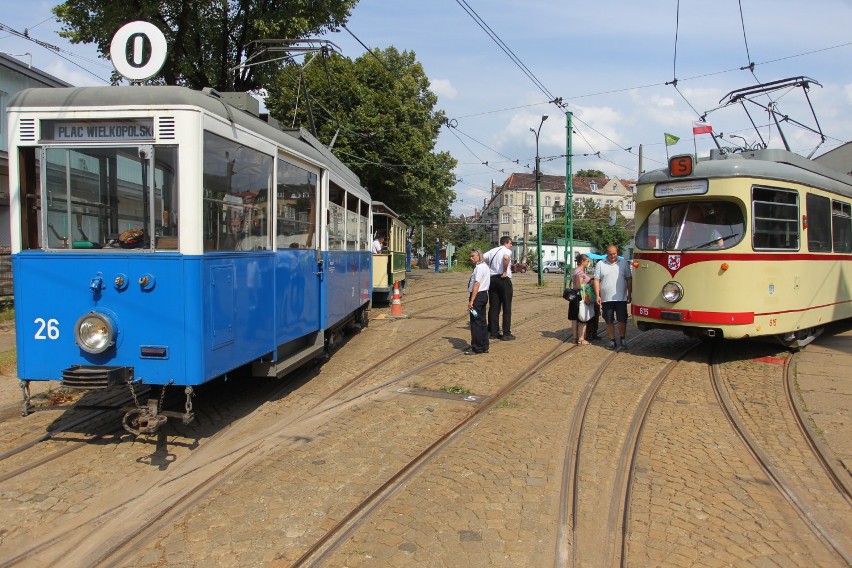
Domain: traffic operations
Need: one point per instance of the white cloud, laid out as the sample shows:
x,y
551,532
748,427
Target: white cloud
x,y
443,88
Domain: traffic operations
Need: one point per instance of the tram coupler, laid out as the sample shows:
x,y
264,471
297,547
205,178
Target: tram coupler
x,y
25,392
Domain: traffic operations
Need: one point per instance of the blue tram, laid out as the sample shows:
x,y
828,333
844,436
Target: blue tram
x,y
161,236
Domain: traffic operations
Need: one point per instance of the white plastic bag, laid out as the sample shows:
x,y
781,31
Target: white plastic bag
x,y
586,311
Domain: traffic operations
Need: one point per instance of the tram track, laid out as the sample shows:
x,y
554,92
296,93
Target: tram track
x,y
121,551
572,547
828,524
198,480
839,477
322,548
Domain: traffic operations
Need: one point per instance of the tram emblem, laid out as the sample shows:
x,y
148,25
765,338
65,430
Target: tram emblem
x,y
674,262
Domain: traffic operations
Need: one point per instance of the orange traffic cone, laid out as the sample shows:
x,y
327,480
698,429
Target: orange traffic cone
x,y
396,303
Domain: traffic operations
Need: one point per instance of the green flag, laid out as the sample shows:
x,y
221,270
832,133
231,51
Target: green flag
x,y
671,139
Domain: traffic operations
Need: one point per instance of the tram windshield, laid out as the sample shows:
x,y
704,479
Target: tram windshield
x,y
705,225
111,197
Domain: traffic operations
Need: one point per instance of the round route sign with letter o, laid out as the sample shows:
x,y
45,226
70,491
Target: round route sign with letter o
x,y
127,50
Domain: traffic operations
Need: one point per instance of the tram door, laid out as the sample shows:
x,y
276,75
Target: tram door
x,y
297,243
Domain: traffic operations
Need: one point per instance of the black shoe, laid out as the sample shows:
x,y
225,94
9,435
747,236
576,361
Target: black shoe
x,y
472,352
507,337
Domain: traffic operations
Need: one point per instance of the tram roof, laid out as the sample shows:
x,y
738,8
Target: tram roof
x,y
299,140
770,164
381,208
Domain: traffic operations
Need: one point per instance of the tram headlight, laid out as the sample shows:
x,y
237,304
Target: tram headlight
x,y
672,292
95,332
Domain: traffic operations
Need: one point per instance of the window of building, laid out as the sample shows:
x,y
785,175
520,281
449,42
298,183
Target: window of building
x,y
547,201
505,218
593,186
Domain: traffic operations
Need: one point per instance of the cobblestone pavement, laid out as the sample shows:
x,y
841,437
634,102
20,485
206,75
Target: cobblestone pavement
x,y
492,496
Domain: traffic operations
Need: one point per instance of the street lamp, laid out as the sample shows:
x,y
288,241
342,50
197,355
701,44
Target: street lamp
x,y
538,200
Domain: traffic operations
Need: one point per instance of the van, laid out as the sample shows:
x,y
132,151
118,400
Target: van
x,y
553,266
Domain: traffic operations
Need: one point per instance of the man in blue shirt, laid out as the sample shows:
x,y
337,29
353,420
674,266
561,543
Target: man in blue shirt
x,y
613,286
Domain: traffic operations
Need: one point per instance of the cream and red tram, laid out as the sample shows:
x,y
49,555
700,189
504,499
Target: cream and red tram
x,y
747,244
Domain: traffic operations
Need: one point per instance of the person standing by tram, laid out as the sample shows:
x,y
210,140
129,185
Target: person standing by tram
x,y
480,280
500,292
613,284
580,281
378,244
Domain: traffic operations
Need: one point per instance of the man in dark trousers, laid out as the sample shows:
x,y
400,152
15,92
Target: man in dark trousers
x,y
499,261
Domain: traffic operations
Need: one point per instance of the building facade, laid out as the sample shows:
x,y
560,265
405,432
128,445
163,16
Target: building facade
x,y
14,76
511,209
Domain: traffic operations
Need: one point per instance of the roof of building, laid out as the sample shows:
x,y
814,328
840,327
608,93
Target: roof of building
x,y
32,73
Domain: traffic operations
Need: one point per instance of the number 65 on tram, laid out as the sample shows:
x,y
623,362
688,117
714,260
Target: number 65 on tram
x,y
743,245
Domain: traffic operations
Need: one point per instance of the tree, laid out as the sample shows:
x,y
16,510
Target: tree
x,y
207,39
591,223
590,174
380,115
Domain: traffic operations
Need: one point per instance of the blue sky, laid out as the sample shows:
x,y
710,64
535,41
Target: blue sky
x,y
609,60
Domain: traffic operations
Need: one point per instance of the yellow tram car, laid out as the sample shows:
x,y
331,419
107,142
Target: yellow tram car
x,y
743,245
390,242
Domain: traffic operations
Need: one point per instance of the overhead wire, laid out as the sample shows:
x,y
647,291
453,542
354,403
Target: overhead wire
x,y
505,48
58,51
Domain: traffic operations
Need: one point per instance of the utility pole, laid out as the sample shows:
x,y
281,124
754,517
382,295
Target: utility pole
x,y
538,201
569,196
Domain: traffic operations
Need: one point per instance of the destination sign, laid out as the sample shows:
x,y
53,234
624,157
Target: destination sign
x,y
98,130
686,187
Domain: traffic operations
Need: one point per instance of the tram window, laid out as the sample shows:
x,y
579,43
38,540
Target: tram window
x,y
695,225
775,219
295,206
841,226
353,220
818,210
236,195
101,198
364,232
336,218
30,189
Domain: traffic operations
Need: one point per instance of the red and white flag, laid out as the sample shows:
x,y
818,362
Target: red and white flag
x,y
701,128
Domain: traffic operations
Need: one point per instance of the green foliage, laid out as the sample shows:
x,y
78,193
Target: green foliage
x,y
462,233
206,38
591,223
381,115
463,253
456,390
590,174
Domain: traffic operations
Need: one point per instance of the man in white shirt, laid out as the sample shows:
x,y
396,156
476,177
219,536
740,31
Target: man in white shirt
x,y
499,261
478,288
613,285
378,244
